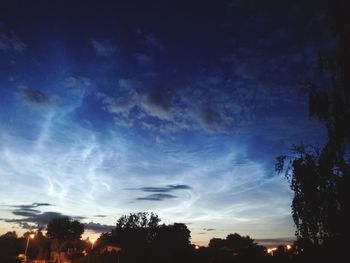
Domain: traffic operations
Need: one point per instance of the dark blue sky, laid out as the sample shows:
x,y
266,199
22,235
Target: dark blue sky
x,y
177,108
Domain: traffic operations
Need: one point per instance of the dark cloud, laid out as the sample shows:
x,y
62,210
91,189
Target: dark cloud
x,y
97,227
100,216
32,218
35,97
208,229
25,212
163,189
160,98
208,116
160,192
41,204
156,102
156,197
32,206
179,186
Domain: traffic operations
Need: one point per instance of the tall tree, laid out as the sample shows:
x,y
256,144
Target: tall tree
x,y
320,177
64,231
143,239
134,233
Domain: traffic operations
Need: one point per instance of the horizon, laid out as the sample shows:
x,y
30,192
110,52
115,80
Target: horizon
x,y
174,108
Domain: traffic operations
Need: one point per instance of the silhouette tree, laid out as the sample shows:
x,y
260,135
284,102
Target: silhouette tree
x,y
143,239
134,233
64,232
10,247
236,247
320,177
172,243
135,229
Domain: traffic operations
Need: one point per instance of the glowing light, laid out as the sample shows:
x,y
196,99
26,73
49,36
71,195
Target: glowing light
x,y
271,250
92,241
32,236
196,247
289,247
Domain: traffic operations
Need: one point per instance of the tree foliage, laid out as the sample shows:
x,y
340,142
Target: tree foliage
x,y
136,230
9,247
237,247
143,239
64,231
319,178
233,242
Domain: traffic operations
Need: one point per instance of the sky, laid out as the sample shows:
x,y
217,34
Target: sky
x,y
178,108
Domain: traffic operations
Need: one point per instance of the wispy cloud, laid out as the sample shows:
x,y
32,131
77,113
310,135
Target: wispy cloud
x,y
77,85
104,48
11,43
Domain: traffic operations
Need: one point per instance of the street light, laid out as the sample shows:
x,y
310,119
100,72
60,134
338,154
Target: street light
x,y
25,251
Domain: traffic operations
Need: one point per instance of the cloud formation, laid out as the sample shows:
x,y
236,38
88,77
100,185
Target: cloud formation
x,y
218,119
77,85
156,197
98,228
31,218
104,48
35,97
161,192
11,43
164,189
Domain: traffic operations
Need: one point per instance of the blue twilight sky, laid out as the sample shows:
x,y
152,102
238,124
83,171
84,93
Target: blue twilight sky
x,y
177,108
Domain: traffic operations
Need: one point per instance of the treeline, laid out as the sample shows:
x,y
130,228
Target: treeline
x,y
138,237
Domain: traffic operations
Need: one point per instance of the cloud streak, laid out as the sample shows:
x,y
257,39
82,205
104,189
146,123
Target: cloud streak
x,y
98,228
164,189
156,197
